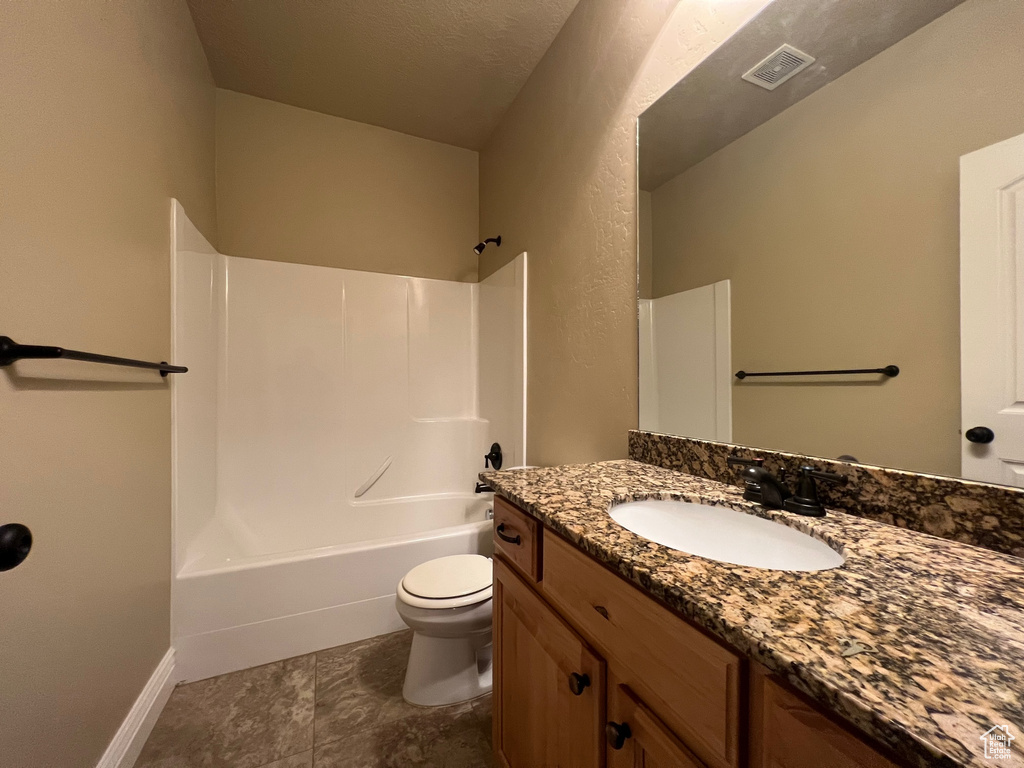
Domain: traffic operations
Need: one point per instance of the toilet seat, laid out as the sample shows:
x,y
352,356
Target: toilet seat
x,y
447,582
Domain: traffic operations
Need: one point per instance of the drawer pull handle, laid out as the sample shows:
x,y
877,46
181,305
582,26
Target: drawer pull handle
x,y
602,610
578,682
617,733
500,530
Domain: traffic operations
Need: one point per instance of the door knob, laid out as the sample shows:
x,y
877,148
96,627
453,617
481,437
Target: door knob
x,y
980,435
15,543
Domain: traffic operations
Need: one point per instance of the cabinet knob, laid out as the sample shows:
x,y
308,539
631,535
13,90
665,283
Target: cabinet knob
x,y
617,733
578,682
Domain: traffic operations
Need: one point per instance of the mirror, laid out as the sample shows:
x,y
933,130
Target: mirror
x,y
812,223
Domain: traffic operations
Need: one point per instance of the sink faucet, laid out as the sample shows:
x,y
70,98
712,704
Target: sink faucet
x,y
773,491
766,489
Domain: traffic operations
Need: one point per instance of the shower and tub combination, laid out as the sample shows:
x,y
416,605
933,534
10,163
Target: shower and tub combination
x,y
326,441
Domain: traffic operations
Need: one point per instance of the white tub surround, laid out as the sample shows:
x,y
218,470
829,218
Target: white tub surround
x,y
326,440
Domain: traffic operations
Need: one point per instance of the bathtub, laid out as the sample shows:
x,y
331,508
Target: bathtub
x,y
235,607
325,441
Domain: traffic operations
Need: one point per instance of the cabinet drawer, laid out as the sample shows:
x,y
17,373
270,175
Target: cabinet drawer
x,y
786,732
691,682
517,537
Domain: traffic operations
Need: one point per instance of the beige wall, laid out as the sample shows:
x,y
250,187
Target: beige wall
x,y
837,223
558,179
108,111
300,186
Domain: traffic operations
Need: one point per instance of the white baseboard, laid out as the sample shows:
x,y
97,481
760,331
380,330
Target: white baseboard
x,y
124,748
250,645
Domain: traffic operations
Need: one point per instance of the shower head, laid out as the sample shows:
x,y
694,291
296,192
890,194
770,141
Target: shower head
x,y
480,246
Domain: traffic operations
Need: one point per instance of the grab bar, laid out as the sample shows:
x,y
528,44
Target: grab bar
x,y
374,478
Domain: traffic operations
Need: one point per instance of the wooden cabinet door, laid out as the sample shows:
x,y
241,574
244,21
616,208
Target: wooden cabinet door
x,y
636,737
543,715
787,732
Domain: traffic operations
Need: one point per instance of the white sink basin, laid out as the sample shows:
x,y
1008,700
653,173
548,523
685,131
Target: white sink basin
x,y
723,534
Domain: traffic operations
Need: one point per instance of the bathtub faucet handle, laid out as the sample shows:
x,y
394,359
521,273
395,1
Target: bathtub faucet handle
x,y
493,459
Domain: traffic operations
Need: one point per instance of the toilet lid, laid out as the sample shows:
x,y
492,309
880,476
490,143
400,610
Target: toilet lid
x,y
447,577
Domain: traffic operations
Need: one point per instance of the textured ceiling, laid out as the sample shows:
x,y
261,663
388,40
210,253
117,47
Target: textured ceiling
x,y
712,107
439,69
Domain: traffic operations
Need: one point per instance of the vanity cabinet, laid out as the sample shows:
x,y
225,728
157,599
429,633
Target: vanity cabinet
x,y
549,686
689,679
591,671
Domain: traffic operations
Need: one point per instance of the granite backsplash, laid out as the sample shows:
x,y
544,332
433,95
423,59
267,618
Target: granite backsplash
x,y
990,516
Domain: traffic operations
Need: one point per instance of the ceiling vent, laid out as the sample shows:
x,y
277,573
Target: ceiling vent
x,y
778,67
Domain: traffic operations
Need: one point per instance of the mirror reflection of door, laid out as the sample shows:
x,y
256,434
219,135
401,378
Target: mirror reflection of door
x,y
992,312
830,201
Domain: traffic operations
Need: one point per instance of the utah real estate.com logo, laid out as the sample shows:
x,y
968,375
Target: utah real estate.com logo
x,y
997,741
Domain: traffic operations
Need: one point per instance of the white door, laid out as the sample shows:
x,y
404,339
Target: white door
x,y
992,312
685,359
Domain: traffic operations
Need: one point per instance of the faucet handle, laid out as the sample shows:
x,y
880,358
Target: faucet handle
x,y
739,461
493,459
805,501
831,477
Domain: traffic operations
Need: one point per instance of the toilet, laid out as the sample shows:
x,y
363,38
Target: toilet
x,y
447,604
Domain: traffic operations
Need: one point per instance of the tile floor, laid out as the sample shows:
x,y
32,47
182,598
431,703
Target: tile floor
x,y
339,708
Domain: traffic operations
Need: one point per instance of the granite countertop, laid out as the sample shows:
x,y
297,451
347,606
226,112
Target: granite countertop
x,y
946,619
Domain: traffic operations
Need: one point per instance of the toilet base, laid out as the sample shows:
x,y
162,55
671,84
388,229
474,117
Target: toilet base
x,y
447,670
